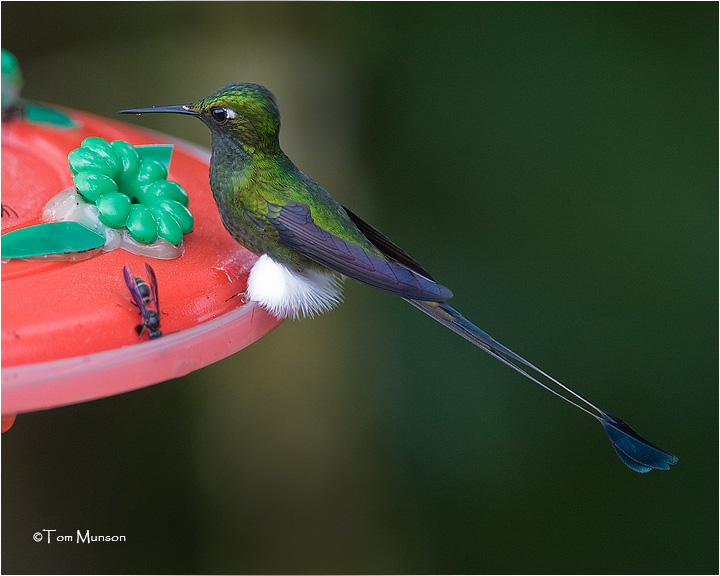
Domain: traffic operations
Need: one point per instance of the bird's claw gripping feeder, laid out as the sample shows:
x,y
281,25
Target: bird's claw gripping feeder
x,y
82,199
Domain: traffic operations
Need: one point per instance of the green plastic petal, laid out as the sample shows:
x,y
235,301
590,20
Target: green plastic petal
x,y
173,191
113,209
141,224
52,238
128,156
166,190
92,185
104,150
158,152
180,213
151,170
83,159
43,115
168,227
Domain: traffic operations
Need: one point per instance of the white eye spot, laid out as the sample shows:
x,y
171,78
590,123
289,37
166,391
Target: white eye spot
x,y
222,115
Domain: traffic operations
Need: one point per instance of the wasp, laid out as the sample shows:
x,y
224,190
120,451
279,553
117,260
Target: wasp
x,y
144,295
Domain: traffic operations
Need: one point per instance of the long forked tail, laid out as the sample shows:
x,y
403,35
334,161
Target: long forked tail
x,y
636,452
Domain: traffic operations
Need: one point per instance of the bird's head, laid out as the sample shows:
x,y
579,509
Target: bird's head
x,y
243,113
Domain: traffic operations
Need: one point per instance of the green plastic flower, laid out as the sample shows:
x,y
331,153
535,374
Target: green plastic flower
x,y
11,79
13,106
129,186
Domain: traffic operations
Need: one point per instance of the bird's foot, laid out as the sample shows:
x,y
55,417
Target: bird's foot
x,y
243,296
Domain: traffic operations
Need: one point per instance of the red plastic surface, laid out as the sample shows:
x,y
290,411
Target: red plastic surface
x,y
53,311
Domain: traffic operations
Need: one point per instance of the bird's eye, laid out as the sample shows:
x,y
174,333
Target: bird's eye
x,y
219,115
222,115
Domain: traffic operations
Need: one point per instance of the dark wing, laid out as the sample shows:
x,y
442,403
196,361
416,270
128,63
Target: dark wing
x,y
297,230
134,290
386,246
152,280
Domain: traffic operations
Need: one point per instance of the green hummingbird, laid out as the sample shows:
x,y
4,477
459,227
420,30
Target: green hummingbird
x,y
307,242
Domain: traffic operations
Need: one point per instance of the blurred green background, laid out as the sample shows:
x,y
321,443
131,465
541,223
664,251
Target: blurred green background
x,y
556,165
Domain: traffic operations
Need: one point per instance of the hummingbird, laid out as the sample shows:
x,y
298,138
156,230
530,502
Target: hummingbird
x,y
307,243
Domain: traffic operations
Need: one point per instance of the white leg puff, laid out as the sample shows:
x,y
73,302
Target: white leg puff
x,y
287,293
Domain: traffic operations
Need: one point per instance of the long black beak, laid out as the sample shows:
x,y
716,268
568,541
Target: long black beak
x,y
179,109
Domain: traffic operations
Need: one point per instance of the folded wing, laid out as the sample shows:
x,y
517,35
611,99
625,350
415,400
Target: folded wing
x,y
384,269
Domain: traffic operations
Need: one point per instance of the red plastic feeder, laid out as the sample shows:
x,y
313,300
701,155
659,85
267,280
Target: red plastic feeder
x,y
68,330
